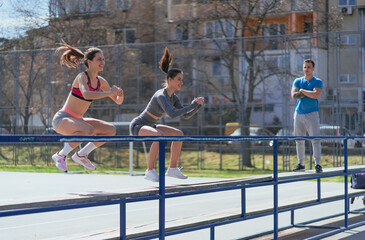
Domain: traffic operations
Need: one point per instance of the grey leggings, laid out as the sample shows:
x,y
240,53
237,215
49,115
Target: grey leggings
x,y
303,124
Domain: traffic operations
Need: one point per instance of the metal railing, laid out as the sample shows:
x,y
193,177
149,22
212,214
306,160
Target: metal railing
x,y
162,195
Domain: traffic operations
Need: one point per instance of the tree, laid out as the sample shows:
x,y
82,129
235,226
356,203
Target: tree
x,y
27,73
241,33
80,23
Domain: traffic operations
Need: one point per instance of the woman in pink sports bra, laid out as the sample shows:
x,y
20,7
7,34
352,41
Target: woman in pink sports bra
x,y
85,88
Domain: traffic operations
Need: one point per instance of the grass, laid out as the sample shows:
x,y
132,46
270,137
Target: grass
x,y
78,169
114,159
208,173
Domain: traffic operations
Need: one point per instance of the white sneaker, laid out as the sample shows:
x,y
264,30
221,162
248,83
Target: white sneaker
x,y
60,161
175,173
151,175
84,161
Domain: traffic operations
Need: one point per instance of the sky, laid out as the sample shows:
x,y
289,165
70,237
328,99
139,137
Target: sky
x,y
11,23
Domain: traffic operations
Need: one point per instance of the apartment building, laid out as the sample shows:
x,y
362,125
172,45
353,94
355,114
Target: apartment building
x,y
345,91
105,22
206,39
283,53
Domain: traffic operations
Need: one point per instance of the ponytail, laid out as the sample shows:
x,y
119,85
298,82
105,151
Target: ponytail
x,y
72,57
165,63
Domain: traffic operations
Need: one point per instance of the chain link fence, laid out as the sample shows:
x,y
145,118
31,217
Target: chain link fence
x,y
244,78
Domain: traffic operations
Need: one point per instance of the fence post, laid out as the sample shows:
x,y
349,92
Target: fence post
x,y
276,194
161,189
346,182
212,236
243,202
123,223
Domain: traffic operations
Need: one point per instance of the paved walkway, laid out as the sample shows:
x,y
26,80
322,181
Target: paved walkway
x,y
356,233
30,187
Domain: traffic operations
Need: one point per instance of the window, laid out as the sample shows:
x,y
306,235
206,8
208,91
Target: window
x,y
94,6
80,6
347,78
219,29
69,6
122,4
308,27
300,59
300,5
276,64
182,32
268,5
125,35
273,30
348,40
350,123
219,69
259,106
345,3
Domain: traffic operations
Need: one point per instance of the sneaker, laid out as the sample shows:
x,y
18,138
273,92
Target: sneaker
x,y
318,169
84,161
175,173
151,175
60,161
299,168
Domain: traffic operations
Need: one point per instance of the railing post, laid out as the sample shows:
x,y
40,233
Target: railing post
x,y
162,189
318,189
276,194
123,225
243,202
346,182
130,158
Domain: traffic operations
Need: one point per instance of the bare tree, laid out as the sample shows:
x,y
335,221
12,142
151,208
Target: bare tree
x,y
241,32
81,23
27,72
229,21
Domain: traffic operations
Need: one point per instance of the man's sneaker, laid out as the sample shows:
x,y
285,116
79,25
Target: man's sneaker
x,y
60,161
175,173
84,161
318,169
299,168
151,175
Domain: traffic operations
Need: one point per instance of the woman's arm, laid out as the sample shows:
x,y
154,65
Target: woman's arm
x,y
200,101
191,113
118,97
172,111
91,95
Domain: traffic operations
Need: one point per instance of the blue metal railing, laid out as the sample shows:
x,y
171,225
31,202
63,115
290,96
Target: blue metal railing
x,y
162,195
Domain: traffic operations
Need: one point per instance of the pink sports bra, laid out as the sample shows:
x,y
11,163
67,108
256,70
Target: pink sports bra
x,y
77,93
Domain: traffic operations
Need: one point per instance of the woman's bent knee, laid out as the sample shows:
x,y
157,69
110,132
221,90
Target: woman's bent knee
x,y
89,130
112,131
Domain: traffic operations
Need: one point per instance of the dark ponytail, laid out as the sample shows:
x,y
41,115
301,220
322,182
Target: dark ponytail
x,y
165,63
